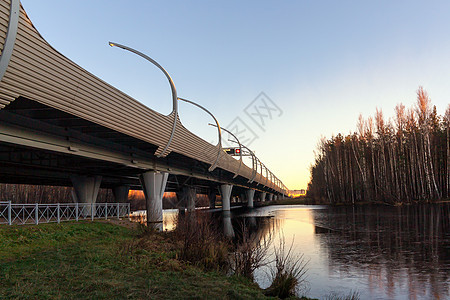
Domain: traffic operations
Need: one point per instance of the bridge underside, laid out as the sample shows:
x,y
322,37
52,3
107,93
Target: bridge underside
x,y
45,146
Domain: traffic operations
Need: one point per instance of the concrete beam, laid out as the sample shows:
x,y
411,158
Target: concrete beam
x,y
154,185
55,139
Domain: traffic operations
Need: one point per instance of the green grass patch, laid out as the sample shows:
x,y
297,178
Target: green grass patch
x,y
98,260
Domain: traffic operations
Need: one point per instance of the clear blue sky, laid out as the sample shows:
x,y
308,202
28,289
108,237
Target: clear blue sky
x,y
322,62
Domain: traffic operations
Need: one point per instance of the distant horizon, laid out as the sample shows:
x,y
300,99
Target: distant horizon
x,y
319,64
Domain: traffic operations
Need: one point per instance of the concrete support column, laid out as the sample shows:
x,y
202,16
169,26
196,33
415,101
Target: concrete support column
x,y
154,184
181,202
85,191
270,197
212,199
263,196
187,198
191,197
226,194
250,196
121,193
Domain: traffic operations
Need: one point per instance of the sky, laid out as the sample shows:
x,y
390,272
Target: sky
x,y
308,67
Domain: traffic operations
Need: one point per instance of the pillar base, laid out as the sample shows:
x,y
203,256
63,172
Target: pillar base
x,y
86,191
154,185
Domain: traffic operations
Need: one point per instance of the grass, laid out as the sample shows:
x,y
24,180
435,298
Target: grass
x,y
101,260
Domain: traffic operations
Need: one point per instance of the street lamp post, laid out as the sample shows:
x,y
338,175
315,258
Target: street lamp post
x,y
219,144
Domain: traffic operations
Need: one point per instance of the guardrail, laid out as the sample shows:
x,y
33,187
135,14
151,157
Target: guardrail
x,y
20,214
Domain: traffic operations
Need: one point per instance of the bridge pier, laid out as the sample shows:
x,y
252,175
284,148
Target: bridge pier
x,y
85,191
120,193
250,196
226,194
154,184
191,197
212,199
263,196
270,197
181,204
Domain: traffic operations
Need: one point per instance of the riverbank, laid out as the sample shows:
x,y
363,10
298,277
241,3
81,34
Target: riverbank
x,y
98,260
287,201
309,201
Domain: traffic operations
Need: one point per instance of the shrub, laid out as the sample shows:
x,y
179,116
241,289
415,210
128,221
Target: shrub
x,y
289,273
250,254
201,243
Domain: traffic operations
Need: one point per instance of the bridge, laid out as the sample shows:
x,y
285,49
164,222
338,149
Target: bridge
x,y
61,125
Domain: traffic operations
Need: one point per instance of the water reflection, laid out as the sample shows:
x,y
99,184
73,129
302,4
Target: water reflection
x,y
383,252
401,251
170,219
228,230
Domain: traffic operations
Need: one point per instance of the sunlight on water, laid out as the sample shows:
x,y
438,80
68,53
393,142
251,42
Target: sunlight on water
x,y
169,218
380,252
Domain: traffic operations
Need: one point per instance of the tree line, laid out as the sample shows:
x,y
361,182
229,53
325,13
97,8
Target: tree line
x,y
401,160
24,194
30,194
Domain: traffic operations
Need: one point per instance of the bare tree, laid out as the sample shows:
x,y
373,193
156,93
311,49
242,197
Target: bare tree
x,y
405,159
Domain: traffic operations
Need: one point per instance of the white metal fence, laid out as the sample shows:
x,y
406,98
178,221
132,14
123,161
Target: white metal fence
x,y
20,214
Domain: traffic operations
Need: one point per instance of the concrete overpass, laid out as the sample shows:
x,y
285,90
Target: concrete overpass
x,y
61,125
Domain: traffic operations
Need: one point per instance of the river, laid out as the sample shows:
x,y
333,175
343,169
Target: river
x,y
379,252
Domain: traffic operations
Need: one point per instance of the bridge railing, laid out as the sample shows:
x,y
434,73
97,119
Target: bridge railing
x,y
20,214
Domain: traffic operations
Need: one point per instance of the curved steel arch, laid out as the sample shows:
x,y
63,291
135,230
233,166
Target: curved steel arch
x,y
10,39
172,87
